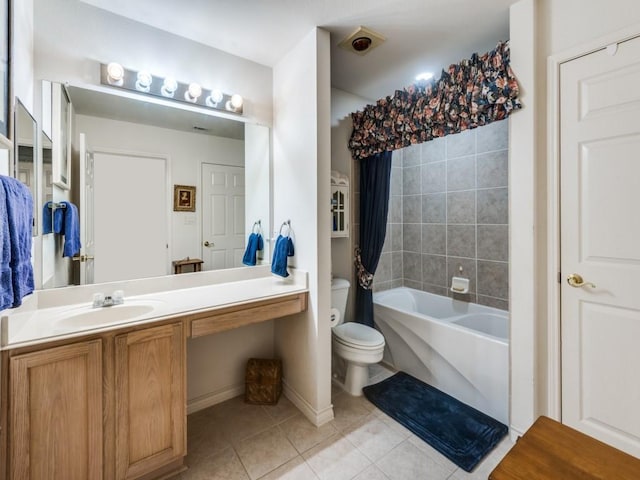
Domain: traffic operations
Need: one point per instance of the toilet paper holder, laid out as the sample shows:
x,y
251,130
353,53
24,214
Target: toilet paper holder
x,y
459,285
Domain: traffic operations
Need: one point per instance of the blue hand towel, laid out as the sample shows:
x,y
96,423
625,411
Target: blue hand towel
x,y
282,250
58,219
47,218
19,206
6,278
254,244
71,230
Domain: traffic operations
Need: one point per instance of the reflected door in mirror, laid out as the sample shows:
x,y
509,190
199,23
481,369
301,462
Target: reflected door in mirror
x,y
26,138
223,229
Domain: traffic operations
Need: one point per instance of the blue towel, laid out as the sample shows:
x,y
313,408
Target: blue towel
x,y
19,216
6,283
47,218
58,219
71,229
254,244
282,250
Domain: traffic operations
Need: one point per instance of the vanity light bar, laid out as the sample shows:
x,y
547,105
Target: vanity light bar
x,y
115,75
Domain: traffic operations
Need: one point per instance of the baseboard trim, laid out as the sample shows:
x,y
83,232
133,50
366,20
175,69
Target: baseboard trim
x,y
514,433
213,398
317,417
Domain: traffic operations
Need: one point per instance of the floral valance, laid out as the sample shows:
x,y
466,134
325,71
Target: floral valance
x,y
469,94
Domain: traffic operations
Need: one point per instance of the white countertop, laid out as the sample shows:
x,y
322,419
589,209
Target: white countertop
x,y
33,324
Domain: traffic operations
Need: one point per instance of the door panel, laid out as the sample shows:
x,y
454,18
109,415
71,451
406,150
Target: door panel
x,y
600,241
223,222
87,213
150,400
56,413
131,217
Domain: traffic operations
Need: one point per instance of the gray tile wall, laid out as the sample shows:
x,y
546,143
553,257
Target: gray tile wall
x,y
449,211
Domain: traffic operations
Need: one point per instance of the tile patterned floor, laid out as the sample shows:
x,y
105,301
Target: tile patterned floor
x,y
237,441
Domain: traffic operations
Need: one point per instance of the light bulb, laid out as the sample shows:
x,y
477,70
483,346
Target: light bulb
x,y
236,101
169,87
193,92
214,98
144,81
424,76
115,74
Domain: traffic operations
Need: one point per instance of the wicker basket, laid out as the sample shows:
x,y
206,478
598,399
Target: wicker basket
x,y
263,381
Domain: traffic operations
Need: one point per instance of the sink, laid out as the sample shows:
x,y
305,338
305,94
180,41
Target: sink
x,y
89,317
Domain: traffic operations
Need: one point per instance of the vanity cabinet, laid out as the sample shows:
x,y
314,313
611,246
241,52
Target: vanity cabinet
x,y
111,407
56,413
150,400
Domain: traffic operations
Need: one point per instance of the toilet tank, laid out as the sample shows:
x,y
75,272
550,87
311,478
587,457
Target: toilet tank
x,y
339,295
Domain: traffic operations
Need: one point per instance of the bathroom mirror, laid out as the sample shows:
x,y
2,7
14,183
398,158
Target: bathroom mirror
x,y
139,150
26,153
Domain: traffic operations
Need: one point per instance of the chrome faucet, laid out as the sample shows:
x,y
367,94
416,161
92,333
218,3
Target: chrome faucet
x,y
100,300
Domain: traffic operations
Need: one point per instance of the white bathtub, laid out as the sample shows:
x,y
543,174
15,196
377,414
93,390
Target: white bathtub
x,y
458,347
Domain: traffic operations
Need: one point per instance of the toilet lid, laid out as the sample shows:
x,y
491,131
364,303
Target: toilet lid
x,y
358,334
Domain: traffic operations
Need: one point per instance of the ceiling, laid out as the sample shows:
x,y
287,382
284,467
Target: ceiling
x,y
421,35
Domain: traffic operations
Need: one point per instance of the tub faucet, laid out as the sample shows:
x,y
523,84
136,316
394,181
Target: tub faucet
x,y
100,300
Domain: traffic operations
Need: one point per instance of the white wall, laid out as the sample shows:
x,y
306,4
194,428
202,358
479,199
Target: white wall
x,y
258,181
342,105
301,193
73,38
567,23
22,65
522,183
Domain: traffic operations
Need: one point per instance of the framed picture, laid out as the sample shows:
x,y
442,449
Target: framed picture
x,y
61,132
184,198
4,68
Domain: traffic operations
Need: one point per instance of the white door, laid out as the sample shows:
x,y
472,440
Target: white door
x,y
223,229
600,242
131,219
87,238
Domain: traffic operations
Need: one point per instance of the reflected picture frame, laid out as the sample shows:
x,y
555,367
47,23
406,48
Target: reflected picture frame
x,y
61,132
184,198
5,40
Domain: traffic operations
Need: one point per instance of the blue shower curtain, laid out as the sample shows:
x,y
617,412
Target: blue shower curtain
x,y
375,176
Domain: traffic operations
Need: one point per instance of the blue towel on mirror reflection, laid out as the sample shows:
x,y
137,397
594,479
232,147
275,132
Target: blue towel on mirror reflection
x,y
282,250
18,226
47,218
70,228
254,244
6,285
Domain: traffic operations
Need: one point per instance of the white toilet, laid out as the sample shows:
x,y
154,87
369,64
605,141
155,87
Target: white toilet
x,y
357,344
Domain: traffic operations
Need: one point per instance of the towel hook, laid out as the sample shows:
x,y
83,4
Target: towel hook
x,y
286,224
257,224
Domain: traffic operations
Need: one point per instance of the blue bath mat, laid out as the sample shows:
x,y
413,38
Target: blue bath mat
x,y
461,433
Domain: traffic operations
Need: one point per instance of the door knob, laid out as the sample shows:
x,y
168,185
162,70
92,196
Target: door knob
x,y
577,281
207,244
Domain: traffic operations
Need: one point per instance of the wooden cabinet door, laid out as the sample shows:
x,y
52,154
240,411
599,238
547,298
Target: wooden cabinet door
x,y
55,417
150,400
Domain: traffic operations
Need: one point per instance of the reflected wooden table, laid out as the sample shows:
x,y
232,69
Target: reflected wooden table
x,y
195,264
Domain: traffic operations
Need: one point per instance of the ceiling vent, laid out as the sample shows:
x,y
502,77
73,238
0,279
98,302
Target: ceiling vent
x,y
362,41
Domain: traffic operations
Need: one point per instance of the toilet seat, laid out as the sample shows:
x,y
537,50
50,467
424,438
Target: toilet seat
x,y
358,335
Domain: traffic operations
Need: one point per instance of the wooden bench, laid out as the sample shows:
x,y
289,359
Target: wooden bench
x,y
550,450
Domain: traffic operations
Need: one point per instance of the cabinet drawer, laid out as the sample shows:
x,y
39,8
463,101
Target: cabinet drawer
x,y
240,315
